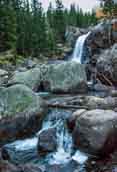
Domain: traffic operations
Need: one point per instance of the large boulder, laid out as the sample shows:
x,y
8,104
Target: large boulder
x,y
96,132
90,103
63,77
47,141
66,77
31,77
19,98
21,112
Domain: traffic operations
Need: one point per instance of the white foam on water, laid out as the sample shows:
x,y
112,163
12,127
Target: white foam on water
x,y
79,47
80,157
25,144
64,150
61,157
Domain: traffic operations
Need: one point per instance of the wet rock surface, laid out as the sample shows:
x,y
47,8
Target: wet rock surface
x,y
5,166
22,154
19,127
47,141
72,166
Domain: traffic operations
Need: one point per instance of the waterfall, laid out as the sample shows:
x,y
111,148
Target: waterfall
x,y
79,48
23,151
64,139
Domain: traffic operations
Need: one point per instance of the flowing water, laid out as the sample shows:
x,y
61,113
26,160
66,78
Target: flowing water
x,y
79,48
25,151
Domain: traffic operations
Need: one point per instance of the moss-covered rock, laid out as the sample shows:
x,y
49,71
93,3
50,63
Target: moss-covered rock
x,y
19,98
21,113
63,77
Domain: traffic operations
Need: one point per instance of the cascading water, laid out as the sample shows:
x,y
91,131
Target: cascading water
x,y
79,48
26,150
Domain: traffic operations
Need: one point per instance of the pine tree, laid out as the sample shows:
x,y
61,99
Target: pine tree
x,y
50,16
109,7
19,6
27,29
78,16
39,39
92,18
51,42
25,26
59,21
66,17
8,25
51,38
73,15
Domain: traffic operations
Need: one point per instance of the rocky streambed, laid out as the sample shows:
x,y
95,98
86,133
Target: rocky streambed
x,y
69,139
69,128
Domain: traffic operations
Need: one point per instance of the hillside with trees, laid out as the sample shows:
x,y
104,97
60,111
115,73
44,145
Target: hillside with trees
x,y
27,29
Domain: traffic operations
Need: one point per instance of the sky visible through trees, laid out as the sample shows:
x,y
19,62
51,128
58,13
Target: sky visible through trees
x,y
86,5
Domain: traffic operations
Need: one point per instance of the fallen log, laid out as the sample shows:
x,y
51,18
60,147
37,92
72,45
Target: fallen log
x,y
106,80
63,106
